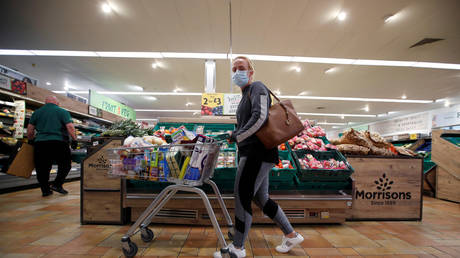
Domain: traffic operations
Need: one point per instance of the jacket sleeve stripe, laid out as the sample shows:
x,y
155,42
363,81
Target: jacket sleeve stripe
x,y
263,117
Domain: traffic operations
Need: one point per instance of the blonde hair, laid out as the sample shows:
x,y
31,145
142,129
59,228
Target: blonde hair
x,y
250,64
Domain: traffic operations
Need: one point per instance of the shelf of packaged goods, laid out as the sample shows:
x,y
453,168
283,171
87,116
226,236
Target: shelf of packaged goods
x,y
2,114
87,128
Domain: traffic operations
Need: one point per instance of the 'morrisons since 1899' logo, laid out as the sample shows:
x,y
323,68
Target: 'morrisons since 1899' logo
x,y
101,163
383,195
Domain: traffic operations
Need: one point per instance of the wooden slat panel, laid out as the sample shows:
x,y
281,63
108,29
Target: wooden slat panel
x,y
446,154
96,167
101,206
447,186
372,203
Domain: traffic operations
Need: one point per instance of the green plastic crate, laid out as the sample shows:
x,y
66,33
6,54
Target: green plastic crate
x,y
283,178
218,128
322,175
188,126
332,185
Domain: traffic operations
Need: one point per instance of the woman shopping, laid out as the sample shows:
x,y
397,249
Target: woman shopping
x,y
251,182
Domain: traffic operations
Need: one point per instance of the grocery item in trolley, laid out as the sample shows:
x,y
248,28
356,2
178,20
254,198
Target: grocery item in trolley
x,y
189,161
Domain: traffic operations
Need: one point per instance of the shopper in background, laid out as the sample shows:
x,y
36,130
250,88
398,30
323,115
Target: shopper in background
x,y
255,162
53,125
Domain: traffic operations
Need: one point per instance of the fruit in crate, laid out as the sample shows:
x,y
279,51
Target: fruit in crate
x,y
283,164
310,162
308,139
282,147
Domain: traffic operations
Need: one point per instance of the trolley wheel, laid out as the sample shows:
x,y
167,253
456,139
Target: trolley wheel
x,y
132,250
147,235
230,235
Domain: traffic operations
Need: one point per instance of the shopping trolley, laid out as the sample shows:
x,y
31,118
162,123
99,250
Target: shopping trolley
x,y
187,166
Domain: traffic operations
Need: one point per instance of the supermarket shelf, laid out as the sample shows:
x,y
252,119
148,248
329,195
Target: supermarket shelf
x,y
87,128
2,114
9,183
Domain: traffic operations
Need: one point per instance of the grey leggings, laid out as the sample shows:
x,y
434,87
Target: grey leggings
x,y
251,183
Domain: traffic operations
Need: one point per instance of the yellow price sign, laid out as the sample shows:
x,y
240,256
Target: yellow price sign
x,y
413,136
212,104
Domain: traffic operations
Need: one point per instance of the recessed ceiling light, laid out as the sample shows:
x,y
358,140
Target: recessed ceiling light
x,y
404,96
152,98
106,8
48,83
330,70
392,112
440,100
342,117
389,18
188,104
382,115
155,65
446,103
342,16
277,92
366,108
176,90
136,87
298,69
303,93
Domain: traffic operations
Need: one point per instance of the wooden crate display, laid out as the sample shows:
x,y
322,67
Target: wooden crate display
x,y
447,157
387,188
101,196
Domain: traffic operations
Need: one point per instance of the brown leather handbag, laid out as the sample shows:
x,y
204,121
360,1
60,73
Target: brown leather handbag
x,y
282,124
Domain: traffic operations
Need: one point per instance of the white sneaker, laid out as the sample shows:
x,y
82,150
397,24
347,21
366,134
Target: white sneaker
x,y
289,243
231,248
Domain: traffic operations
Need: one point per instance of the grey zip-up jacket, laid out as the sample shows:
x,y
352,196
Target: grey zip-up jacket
x,y
252,113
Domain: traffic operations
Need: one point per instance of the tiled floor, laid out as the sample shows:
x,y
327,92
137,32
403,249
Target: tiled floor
x,y
32,226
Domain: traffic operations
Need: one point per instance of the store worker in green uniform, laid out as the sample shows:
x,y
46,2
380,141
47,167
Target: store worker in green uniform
x,y
49,129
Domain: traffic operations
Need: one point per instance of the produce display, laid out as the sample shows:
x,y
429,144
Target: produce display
x,y
226,160
366,143
125,128
284,164
308,139
310,162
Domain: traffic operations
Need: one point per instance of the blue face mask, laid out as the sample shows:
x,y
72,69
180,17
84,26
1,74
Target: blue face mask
x,y
240,78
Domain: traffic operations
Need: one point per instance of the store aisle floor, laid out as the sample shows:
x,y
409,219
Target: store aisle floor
x,y
32,226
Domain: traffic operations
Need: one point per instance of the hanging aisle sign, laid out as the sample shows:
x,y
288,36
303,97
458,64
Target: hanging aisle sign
x,y
212,104
111,106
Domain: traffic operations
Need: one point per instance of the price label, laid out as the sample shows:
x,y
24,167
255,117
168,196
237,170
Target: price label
x,y
413,136
212,104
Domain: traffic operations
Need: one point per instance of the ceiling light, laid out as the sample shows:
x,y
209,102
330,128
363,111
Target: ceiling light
x,y
188,104
303,93
130,54
277,92
301,59
176,90
136,87
342,16
389,18
48,83
326,123
342,117
154,65
298,69
330,70
366,108
404,96
440,100
336,127
382,115
152,98
63,53
14,52
106,8
72,91
359,99
167,110
446,103
392,112
337,115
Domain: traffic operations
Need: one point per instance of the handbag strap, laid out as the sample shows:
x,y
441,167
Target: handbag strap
x,y
287,121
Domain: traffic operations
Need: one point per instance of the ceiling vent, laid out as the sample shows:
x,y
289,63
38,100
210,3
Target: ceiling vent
x,y
425,41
